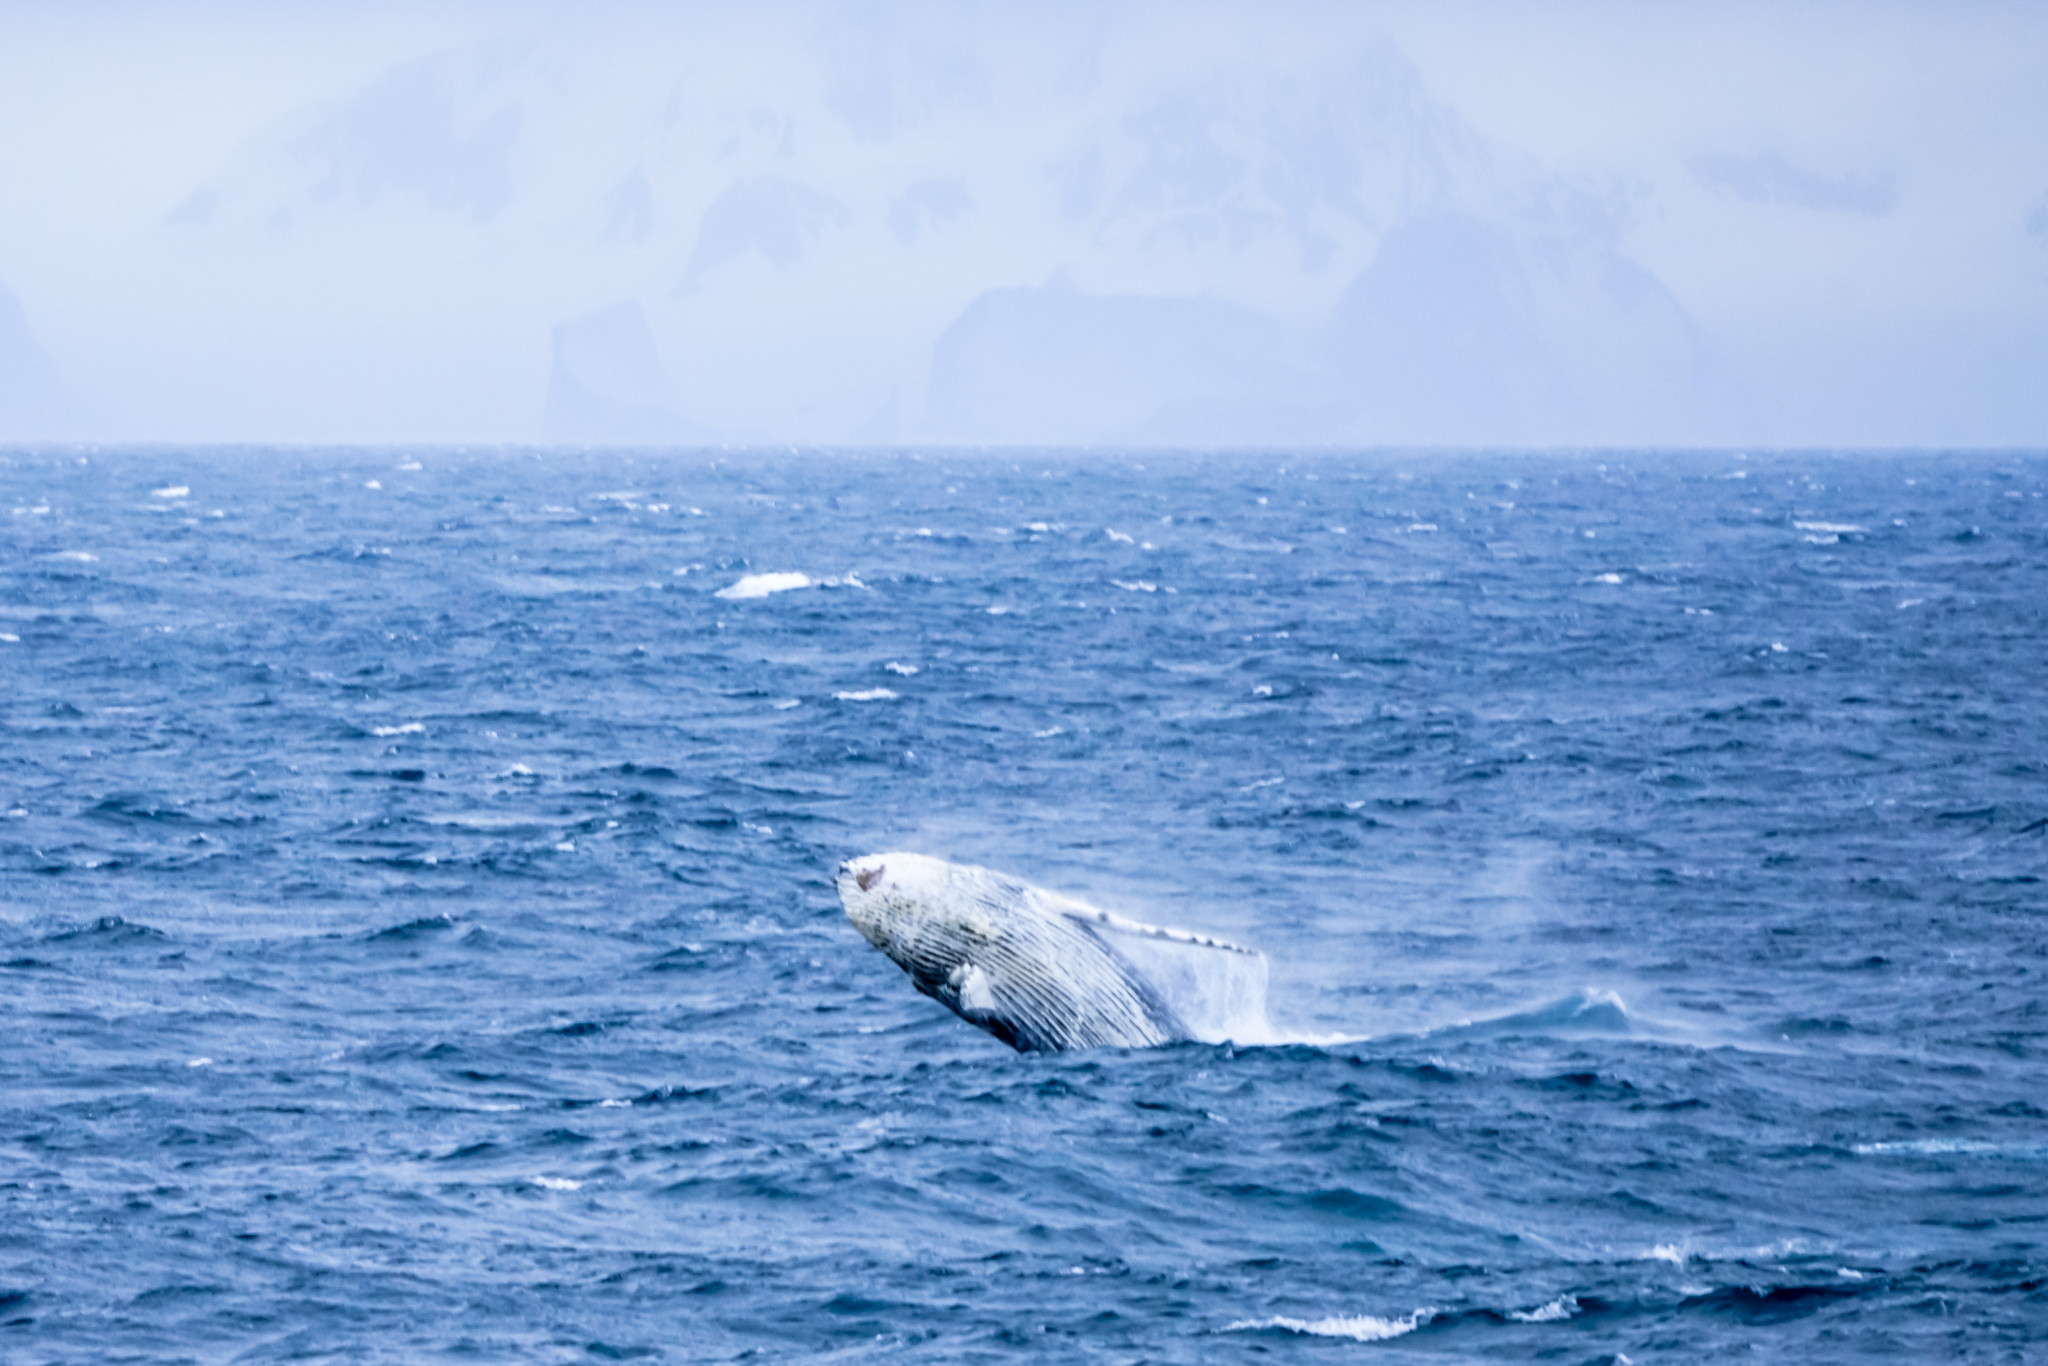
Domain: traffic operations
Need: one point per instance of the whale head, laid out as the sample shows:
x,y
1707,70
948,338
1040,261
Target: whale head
x,y
901,904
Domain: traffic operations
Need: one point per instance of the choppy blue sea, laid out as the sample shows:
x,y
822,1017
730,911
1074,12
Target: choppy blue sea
x,y
417,938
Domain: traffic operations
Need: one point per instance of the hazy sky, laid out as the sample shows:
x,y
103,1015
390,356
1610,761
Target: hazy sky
x,y
1173,223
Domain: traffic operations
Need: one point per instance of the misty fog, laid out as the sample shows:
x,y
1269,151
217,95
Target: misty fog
x,y
1162,224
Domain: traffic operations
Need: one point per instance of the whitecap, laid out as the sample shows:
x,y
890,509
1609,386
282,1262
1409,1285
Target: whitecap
x,y
761,585
10,638
1954,1147
1358,1327
1559,1309
1833,528
81,556
373,484
409,728
997,610
1422,526
172,491
1048,733
786,703
1136,586
557,1183
412,466
1904,603
1116,535
905,669
1607,578
866,695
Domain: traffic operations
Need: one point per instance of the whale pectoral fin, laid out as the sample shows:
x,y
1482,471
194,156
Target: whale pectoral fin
x,y
974,992
970,992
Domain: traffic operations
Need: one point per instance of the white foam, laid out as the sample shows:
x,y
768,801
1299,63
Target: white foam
x,y
1962,1147
409,728
761,585
1429,526
997,610
484,820
1116,535
1832,528
1358,1327
81,556
1607,578
1136,586
1559,1309
786,703
172,491
1048,733
373,484
412,466
557,1183
200,1062
866,695
905,669
10,637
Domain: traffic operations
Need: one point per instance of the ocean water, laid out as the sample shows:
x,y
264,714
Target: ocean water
x,y
417,940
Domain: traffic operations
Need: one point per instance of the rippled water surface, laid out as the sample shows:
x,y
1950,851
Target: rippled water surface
x,y
417,940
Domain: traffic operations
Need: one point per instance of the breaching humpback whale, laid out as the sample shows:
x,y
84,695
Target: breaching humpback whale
x,y
1043,972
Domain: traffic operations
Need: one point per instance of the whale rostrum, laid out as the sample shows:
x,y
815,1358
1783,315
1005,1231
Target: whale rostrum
x,y
1040,971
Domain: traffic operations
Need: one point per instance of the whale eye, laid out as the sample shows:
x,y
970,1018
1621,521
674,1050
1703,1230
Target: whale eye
x,y
867,878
